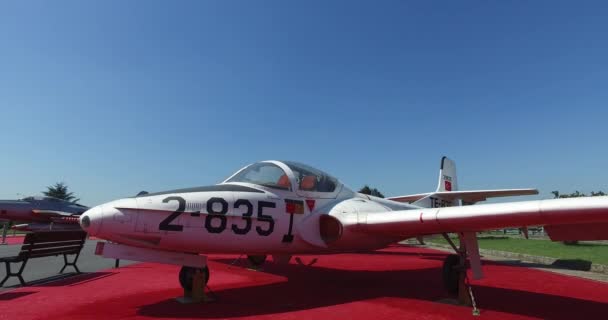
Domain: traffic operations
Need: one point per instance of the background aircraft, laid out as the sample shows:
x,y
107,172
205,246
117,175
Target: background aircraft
x,y
41,213
281,208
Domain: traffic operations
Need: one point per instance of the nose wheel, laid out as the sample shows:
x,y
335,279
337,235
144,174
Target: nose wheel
x,y
188,280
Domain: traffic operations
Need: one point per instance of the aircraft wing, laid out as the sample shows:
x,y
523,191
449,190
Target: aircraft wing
x,y
566,219
470,196
52,213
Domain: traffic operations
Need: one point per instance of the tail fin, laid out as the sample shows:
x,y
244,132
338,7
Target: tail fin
x,y
447,183
447,176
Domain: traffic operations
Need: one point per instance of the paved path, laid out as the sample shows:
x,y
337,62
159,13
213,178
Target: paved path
x,y
47,268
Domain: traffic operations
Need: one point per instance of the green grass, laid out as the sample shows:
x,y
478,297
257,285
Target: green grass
x,y
596,253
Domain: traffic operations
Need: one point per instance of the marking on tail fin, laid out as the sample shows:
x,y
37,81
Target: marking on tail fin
x,y
447,176
448,185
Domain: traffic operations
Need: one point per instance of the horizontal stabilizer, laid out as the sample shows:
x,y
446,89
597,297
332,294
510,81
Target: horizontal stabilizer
x,y
410,197
470,196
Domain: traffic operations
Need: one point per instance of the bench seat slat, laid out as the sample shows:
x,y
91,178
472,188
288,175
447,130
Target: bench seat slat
x,y
52,252
54,236
12,259
43,245
71,247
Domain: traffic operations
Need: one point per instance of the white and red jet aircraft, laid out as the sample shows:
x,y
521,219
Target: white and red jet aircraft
x,y
281,208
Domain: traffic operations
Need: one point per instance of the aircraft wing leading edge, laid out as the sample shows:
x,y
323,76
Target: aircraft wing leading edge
x,y
567,218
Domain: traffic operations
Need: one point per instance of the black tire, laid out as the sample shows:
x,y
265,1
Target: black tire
x,y
256,260
450,273
186,274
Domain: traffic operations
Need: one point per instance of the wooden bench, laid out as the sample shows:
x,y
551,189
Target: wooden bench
x,y
45,244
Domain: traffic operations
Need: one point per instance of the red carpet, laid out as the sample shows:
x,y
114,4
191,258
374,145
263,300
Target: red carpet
x,y
396,283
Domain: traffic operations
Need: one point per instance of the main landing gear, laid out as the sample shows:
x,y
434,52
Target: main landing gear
x,y
451,273
454,270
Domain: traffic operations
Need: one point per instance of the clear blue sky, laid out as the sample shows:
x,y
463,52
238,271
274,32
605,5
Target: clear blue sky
x,y
114,97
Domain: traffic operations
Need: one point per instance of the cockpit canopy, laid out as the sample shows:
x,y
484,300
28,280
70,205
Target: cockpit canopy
x,y
279,174
42,198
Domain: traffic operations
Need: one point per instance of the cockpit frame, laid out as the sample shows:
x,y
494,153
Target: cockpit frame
x,y
310,182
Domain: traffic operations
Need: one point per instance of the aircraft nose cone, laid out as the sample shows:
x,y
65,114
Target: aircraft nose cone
x,y
90,221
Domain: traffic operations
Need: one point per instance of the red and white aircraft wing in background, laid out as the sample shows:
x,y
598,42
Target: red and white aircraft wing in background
x,y
42,214
281,208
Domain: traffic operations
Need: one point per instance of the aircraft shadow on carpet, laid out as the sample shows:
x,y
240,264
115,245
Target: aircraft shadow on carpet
x,y
6,296
558,264
315,287
77,279
66,279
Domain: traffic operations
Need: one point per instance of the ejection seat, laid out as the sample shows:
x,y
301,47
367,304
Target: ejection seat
x,y
308,183
284,182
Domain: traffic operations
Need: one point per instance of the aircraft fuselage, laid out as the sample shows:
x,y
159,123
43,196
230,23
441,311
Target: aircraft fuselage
x,y
233,218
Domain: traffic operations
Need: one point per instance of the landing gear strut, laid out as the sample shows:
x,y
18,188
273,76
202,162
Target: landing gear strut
x,y
454,272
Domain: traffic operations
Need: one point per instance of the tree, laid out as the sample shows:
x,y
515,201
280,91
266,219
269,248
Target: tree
x,y
576,194
371,191
60,191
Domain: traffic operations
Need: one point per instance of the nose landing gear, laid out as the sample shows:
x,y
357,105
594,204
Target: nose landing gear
x,y
187,276
193,281
256,261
